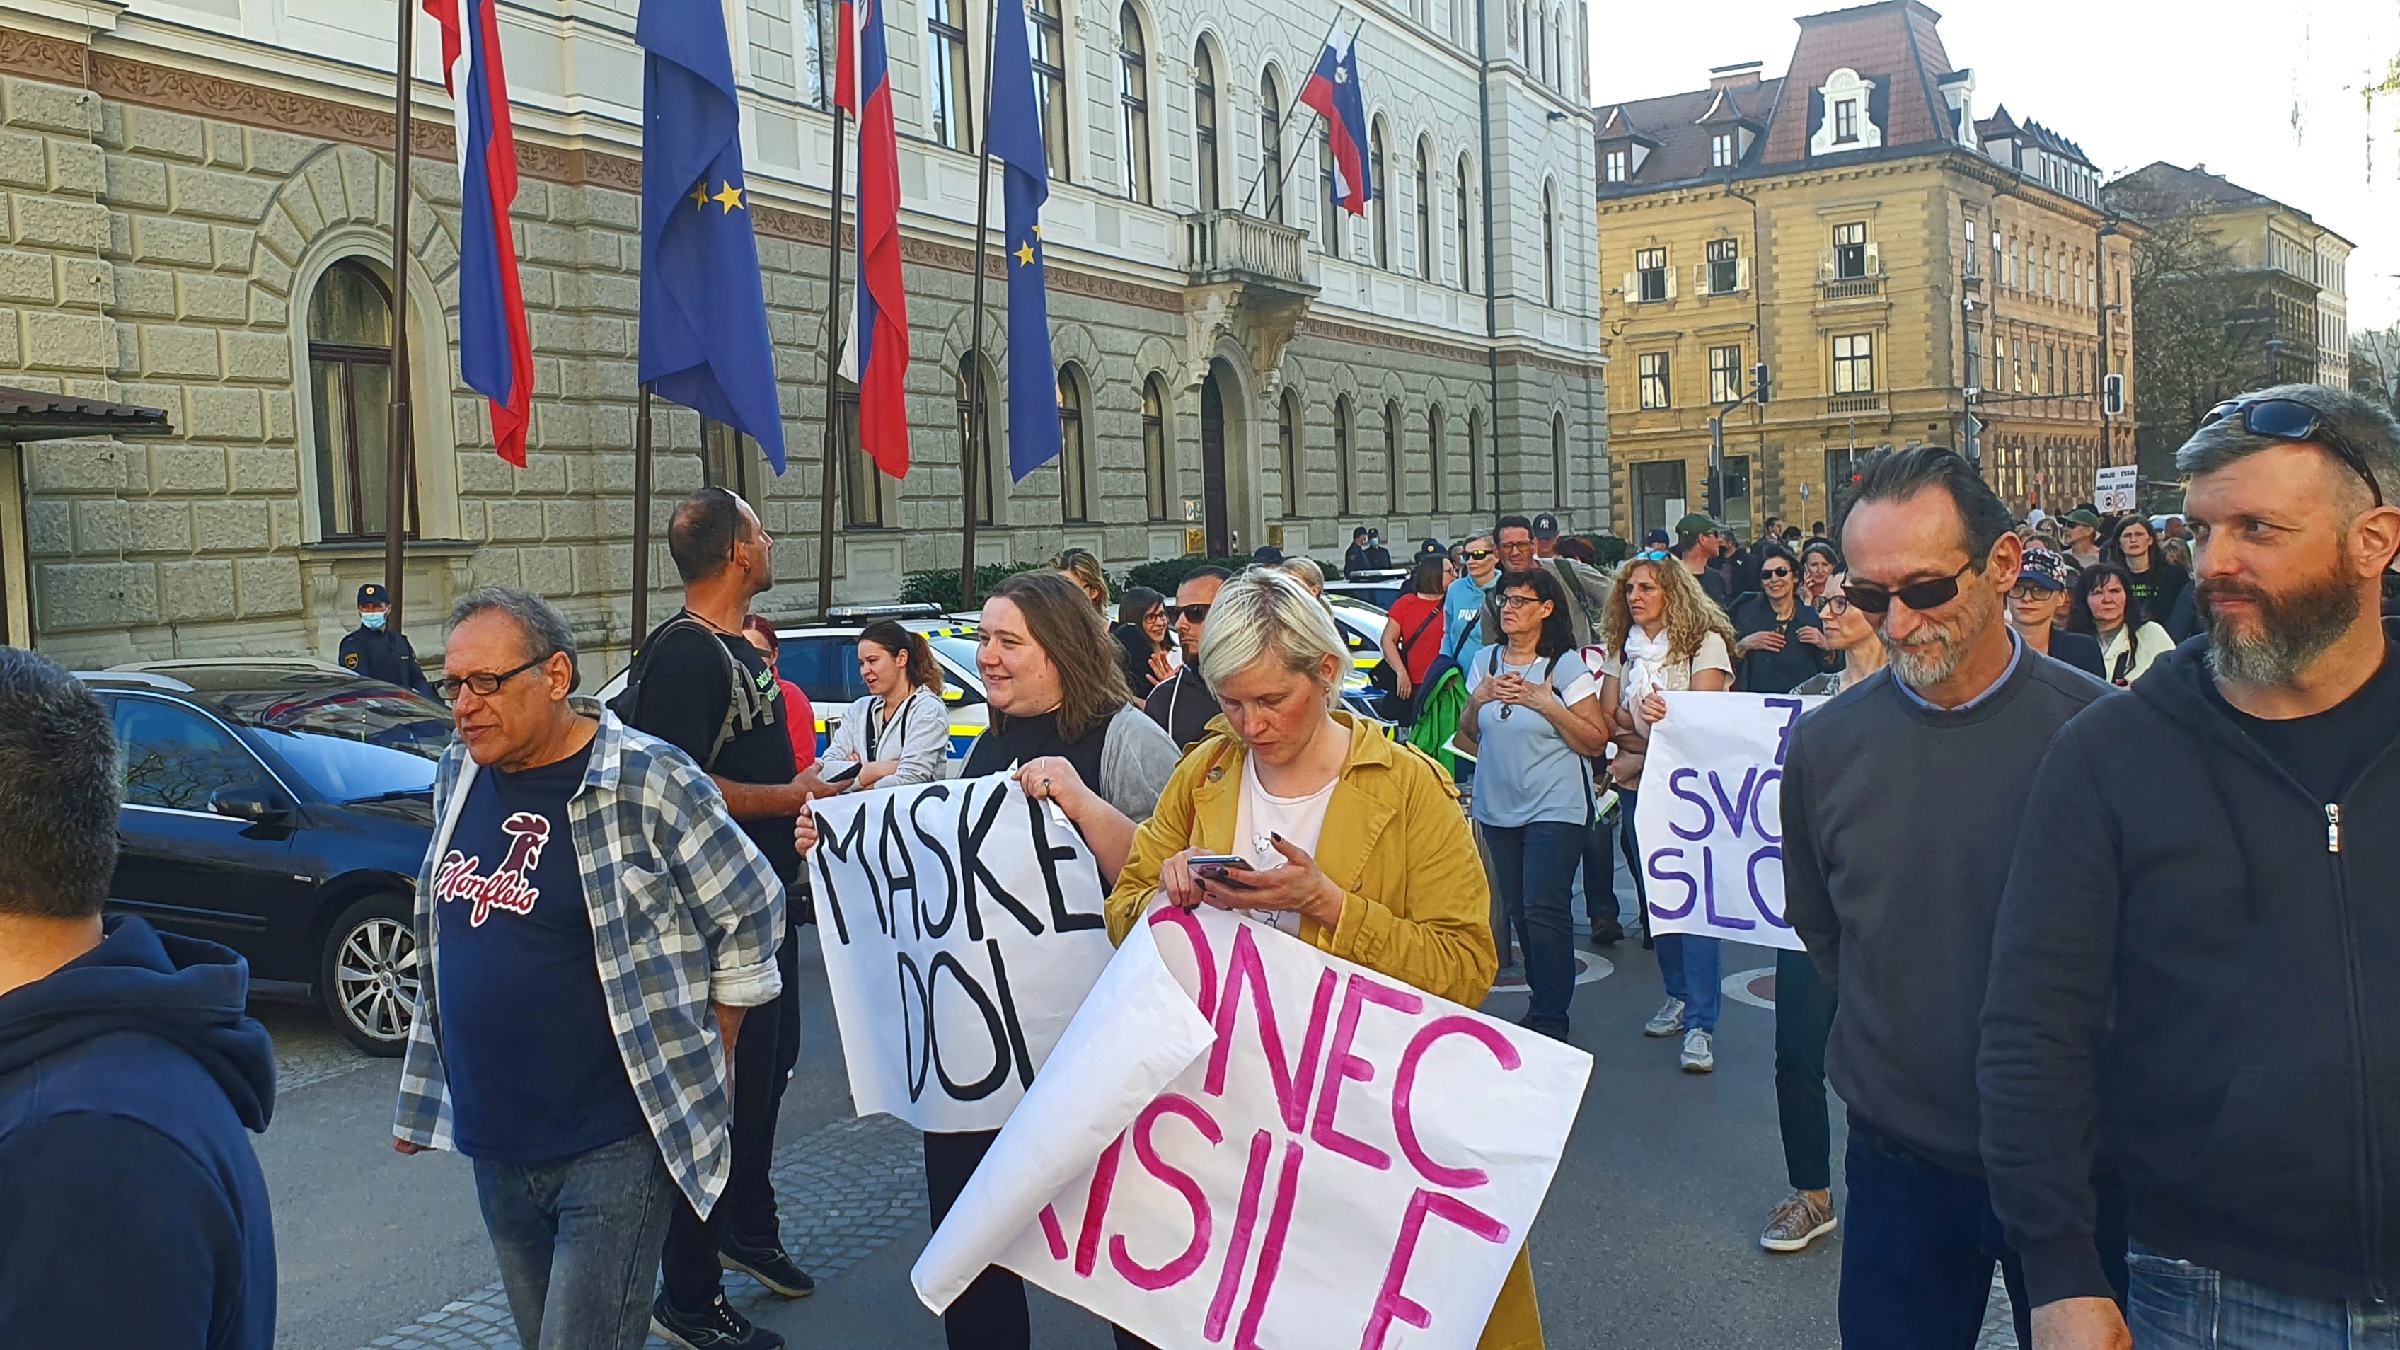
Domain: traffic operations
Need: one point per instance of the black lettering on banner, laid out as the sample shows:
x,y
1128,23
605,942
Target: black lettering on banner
x,y
1008,1013
1050,855
929,924
971,832
899,867
850,847
990,1083
917,1064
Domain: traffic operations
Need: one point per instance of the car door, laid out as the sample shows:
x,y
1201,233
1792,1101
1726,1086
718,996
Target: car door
x,y
825,666
181,864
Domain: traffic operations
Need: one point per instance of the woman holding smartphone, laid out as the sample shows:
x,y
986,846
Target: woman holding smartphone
x,y
900,732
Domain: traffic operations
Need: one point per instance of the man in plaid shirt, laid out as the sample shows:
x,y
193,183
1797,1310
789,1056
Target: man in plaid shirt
x,y
593,927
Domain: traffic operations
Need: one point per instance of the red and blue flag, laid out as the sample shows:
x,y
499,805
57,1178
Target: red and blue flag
x,y
878,355
495,352
1332,90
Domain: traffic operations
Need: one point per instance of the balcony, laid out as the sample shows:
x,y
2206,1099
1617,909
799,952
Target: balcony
x,y
1232,246
1248,280
1854,288
1845,405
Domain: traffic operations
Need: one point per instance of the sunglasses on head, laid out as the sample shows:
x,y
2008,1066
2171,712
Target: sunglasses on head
x,y
1917,595
2288,419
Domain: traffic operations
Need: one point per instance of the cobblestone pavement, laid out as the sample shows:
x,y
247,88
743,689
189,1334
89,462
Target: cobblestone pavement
x,y
307,1048
846,1191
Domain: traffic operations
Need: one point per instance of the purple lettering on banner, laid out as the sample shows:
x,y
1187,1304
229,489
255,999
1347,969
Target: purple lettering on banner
x,y
1734,922
1676,787
1758,897
1736,813
1658,873
1791,708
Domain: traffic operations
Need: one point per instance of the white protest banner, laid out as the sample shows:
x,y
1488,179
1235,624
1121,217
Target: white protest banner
x,y
1245,1142
2114,487
1710,817
962,927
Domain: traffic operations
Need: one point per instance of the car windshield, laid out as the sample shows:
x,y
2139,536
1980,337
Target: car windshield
x,y
959,651
351,743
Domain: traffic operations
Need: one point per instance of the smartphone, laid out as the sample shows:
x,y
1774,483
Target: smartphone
x,y
1225,860
845,773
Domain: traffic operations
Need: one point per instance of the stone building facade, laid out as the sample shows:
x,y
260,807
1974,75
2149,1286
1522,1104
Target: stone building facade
x,y
198,205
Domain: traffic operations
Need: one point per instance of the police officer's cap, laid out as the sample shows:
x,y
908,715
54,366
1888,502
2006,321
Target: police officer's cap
x,y
373,594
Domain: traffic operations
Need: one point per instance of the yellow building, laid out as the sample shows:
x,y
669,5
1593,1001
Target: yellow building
x,y
1893,260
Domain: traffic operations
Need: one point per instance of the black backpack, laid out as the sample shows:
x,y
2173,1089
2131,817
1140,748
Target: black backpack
x,y
745,706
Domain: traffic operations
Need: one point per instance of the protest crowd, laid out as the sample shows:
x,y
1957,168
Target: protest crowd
x,y
2071,833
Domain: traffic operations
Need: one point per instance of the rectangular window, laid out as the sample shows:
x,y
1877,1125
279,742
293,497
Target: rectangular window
x,y
1049,32
1972,258
1724,374
870,499
1845,120
1850,251
1974,355
946,81
1651,264
1724,267
1612,166
2016,366
1854,363
1653,370
1720,150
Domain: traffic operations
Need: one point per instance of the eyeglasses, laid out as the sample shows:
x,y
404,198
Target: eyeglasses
x,y
1917,595
2288,419
1833,607
1775,574
2031,593
483,682
1516,601
1516,546
1475,554
1196,613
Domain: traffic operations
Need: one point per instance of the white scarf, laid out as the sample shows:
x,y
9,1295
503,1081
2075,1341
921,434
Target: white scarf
x,y
1644,655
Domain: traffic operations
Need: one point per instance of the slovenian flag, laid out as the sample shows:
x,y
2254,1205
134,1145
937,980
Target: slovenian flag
x,y
1332,90
877,354
495,352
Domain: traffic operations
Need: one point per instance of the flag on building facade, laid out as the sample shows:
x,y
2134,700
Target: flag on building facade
x,y
495,350
1332,90
877,354
1015,136
704,339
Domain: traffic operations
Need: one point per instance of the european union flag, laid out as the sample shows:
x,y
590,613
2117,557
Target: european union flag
x,y
1016,137
704,338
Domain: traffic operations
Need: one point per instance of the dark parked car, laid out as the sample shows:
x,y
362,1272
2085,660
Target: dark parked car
x,y
281,808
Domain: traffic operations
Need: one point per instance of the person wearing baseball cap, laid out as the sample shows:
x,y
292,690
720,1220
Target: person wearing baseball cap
x,y
1545,535
2083,536
1699,541
378,652
2040,595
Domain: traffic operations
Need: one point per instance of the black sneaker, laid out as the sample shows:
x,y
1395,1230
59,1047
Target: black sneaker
x,y
767,1264
1607,934
717,1328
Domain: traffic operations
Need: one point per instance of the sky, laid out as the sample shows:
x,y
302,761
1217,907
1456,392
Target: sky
x,y
2275,107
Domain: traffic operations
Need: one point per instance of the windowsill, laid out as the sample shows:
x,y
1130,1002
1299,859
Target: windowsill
x,y
373,548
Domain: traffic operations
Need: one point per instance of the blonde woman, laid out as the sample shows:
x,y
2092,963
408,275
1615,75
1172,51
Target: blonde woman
x,y
1663,635
1356,844
1083,569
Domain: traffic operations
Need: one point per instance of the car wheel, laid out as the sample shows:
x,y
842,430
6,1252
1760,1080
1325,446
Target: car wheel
x,y
368,976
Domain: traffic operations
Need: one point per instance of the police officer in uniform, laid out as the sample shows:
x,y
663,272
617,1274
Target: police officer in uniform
x,y
377,652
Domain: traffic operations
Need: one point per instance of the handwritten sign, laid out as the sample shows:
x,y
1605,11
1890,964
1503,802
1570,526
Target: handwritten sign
x,y
2115,487
1710,818
962,927
1243,1141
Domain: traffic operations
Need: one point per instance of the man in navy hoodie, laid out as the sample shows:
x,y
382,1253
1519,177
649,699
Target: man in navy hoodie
x,y
132,1212
2192,973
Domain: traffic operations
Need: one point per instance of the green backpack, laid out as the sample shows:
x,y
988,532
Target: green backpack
x,y
1438,710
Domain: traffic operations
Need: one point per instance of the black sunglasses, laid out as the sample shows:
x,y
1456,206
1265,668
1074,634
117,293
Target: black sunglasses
x,y
1774,574
2288,419
483,682
1917,595
1196,613
1478,554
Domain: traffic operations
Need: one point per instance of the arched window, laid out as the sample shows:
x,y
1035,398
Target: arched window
x,y
1550,246
1204,124
1287,439
1329,210
1433,452
1133,92
1474,459
1466,249
1343,470
1425,240
975,436
1392,477
1558,459
1049,33
1157,467
946,78
1270,142
1537,41
1383,195
1074,456
350,387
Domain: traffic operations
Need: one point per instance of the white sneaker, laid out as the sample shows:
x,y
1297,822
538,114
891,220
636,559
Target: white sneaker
x,y
1698,1055
1666,1021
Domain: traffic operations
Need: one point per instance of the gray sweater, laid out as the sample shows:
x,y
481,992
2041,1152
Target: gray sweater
x,y
1898,826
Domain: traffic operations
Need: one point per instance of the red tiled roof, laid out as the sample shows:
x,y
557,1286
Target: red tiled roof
x,y
1673,126
1893,42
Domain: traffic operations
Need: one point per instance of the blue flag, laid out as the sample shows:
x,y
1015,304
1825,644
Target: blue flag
x,y
704,340
1016,137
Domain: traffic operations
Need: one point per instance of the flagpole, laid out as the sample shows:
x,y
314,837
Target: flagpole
x,y
831,458
399,435
970,442
1263,161
641,518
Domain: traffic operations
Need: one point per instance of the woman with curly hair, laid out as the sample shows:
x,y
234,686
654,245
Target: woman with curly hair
x,y
1662,634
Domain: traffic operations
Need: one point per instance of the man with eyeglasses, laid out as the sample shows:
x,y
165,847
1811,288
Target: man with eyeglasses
x,y
593,928
1519,542
1183,705
2193,967
1901,805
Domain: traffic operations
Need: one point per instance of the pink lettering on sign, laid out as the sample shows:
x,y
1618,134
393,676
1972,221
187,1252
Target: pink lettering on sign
x,y
1404,1121
1270,1249
1342,1064
1095,1212
1394,1305
1168,916
508,887
1245,1222
1292,1080
1179,1269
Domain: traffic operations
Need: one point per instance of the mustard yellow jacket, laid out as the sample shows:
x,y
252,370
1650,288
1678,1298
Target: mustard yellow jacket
x,y
1415,904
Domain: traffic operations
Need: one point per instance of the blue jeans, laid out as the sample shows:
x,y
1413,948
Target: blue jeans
x,y
1917,1255
578,1242
2175,1305
1693,969
1535,867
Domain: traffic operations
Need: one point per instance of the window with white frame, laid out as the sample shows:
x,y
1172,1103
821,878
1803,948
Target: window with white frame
x,y
1720,150
946,79
1724,374
1850,250
1650,271
1133,99
1854,363
1652,369
1049,32
1724,266
1612,166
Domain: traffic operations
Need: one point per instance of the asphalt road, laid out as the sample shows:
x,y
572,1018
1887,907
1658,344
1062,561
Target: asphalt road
x,y
1649,1236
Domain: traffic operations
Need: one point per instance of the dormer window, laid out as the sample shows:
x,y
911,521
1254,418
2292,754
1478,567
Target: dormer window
x,y
1612,166
1720,150
1845,121
1843,112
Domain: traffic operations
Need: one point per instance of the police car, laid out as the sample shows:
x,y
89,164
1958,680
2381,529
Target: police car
x,y
822,659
